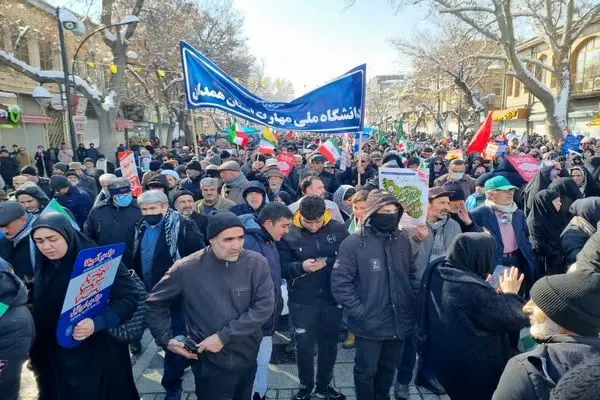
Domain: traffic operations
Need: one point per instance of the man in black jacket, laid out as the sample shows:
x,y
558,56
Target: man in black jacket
x,y
31,174
16,247
227,296
8,167
379,304
183,202
115,221
192,182
565,318
457,210
308,253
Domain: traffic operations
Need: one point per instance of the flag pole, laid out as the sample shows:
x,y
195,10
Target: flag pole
x,y
194,133
359,155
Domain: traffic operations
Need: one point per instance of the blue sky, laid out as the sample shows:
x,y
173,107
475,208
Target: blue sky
x,y
310,42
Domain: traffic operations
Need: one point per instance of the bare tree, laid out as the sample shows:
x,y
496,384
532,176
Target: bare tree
x,y
459,57
105,102
558,23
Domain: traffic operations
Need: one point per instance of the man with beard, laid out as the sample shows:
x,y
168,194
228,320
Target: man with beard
x,y
276,182
565,319
235,182
500,216
255,196
211,201
226,333
104,195
184,204
430,241
172,181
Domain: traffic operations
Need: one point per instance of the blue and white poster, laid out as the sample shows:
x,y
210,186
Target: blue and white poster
x,y
89,289
335,107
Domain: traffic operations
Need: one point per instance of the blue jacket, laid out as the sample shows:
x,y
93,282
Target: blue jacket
x,y
242,209
259,240
486,218
79,202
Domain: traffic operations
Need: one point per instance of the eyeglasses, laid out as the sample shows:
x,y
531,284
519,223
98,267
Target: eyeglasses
x,y
438,163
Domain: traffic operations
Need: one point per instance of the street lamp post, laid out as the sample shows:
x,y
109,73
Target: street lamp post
x,y
67,89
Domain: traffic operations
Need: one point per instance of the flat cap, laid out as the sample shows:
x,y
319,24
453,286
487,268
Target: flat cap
x,y
10,211
230,166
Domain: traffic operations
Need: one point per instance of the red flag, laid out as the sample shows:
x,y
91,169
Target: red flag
x,y
482,136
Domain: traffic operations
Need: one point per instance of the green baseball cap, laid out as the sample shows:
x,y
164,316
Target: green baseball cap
x,y
498,183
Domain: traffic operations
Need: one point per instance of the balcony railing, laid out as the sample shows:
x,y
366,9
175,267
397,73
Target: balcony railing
x,y
588,85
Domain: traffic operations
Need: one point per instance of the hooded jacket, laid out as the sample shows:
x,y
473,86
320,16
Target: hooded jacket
x,y
300,245
241,209
79,202
532,375
37,193
586,215
377,288
16,332
338,198
258,239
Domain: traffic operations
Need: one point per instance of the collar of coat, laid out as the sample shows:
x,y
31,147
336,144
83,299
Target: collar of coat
x,y
326,218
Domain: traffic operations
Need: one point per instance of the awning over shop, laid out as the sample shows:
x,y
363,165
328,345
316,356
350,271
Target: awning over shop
x,y
594,122
121,124
36,119
510,113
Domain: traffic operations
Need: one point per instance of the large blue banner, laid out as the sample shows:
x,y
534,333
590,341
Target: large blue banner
x,y
89,290
336,107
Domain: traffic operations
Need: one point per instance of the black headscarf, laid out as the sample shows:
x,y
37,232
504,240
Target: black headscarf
x,y
588,209
433,175
569,192
591,188
472,252
544,222
540,182
52,276
592,164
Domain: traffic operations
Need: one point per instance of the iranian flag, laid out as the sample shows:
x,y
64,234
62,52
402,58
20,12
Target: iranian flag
x,y
330,151
237,135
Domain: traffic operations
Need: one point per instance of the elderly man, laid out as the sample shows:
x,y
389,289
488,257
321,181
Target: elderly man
x,y
85,181
255,197
313,186
115,220
162,237
172,182
184,204
211,201
456,174
430,242
226,333
565,319
501,217
457,209
194,176
104,195
16,247
276,182
235,182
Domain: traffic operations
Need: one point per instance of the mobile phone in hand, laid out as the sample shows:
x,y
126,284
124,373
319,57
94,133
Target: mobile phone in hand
x,y
499,270
190,345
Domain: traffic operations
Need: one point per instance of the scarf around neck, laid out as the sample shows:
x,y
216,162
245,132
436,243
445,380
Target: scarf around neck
x,y
172,223
439,248
506,211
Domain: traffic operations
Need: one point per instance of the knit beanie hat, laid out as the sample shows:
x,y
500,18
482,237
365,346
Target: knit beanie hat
x,y
58,182
71,172
378,198
215,159
221,221
195,165
571,300
61,166
154,165
29,170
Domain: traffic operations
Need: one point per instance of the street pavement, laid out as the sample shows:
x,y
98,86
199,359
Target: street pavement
x,y
283,376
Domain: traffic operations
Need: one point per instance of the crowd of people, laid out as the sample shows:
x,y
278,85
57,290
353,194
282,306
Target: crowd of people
x,y
495,296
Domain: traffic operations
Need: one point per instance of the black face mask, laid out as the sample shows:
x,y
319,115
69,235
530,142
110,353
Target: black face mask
x,y
384,223
153,219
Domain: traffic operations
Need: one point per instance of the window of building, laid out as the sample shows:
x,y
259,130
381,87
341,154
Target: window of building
x,y
46,54
517,88
588,65
20,48
510,81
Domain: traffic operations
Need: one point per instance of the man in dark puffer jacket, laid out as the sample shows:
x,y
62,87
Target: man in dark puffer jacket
x,y
308,253
16,331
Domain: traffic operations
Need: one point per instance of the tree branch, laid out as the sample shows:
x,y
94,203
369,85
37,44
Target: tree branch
x,y
49,76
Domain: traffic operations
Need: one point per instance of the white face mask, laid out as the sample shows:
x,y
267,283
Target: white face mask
x,y
456,176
